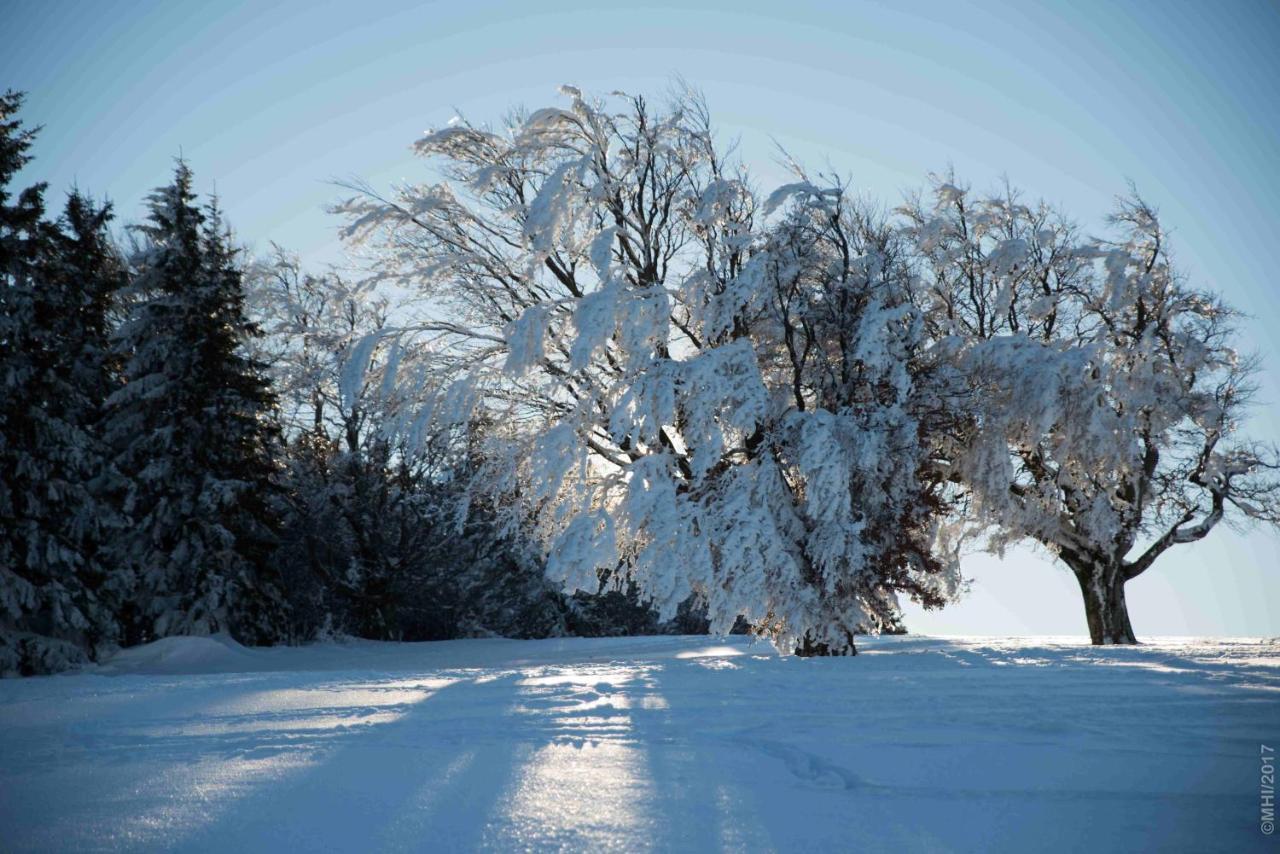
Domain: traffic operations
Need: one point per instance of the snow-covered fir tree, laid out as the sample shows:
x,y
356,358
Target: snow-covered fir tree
x,y
1105,393
58,599
87,273
698,392
194,432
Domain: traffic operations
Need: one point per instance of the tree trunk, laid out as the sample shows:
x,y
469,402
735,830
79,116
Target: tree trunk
x,y
1102,585
808,647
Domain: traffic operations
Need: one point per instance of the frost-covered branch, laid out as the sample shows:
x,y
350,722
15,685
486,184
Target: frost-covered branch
x,y
651,315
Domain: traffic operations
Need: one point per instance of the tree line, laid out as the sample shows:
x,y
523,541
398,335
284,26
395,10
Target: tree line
x,y
157,477
589,355
814,400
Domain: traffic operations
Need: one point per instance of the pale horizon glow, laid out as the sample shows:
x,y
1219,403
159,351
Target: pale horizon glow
x,y
271,104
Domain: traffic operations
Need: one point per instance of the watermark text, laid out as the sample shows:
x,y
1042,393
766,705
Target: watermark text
x,y
1267,790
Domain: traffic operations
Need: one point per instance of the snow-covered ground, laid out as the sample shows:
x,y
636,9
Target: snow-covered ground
x,y
918,744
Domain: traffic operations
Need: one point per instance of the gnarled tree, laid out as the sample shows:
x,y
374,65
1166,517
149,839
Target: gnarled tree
x,y
700,392
1106,395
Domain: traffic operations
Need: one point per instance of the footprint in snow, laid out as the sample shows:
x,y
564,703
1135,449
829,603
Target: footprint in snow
x,y
810,767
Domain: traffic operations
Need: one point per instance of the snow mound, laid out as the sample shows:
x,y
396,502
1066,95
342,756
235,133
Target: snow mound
x,y
215,654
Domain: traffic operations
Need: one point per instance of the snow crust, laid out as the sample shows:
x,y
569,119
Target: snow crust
x,y
667,743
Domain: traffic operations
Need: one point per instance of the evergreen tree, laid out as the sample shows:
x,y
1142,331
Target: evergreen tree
x,y
55,289
82,284
195,434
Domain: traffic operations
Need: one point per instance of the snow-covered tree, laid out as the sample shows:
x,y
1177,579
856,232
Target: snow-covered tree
x,y
334,352
865,402
1105,393
57,598
85,277
194,432
371,542
695,391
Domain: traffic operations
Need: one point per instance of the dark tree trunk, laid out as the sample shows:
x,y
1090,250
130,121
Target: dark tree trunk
x,y
1102,585
809,648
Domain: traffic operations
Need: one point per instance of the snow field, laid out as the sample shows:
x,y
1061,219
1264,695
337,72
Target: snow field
x,y
665,744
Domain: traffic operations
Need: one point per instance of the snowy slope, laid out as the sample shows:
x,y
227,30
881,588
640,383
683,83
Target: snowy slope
x,y
688,743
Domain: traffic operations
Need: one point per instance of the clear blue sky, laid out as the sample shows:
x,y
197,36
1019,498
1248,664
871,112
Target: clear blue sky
x,y
271,101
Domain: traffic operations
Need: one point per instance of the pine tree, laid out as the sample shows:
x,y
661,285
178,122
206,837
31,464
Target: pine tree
x,y
82,282
195,434
57,286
